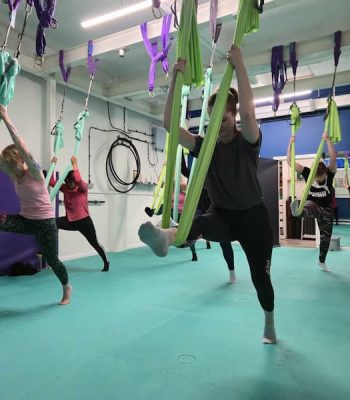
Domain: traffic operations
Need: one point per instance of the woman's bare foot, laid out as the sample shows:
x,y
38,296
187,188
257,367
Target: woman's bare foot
x,y
67,292
269,330
158,239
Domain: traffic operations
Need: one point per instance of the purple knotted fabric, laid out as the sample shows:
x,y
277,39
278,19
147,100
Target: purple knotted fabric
x,y
30,3
45,10
156,3
278,75
65,71
152,50
13,5
337,44
293,57
92,64
212,19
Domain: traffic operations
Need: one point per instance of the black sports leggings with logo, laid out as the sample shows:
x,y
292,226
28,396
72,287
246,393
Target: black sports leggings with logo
x,y
86,227
45,231
252,229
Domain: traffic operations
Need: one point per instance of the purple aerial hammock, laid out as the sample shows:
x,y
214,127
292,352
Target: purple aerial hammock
x,y
152,50
45,11
278,74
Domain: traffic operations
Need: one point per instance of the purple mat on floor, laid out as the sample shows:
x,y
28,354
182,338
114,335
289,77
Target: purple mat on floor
x,y
14,247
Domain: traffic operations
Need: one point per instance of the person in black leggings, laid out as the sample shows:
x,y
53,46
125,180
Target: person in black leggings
x,y
237,211
77,218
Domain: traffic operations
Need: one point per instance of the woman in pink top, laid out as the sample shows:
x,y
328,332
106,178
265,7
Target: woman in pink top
x,y
36,216
75,192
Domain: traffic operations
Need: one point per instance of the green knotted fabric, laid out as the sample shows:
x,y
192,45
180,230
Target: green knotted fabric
x,y
247,21
79,129
332,127
188,48
295,123
9,69
58,145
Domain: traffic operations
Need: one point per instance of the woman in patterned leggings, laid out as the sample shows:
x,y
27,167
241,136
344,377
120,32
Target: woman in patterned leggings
x,y
37,215
319,200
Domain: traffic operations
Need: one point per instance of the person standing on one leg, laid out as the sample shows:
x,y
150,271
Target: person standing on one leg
x,y
319,200
75,195
237,211
37,216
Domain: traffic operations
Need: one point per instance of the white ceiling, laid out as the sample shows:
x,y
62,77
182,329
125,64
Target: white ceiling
x,y
311,23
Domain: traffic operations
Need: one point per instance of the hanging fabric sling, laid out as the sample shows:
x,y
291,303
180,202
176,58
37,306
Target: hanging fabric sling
x,y
45,10
57,130
247,21
152,50
208,75
187,48
79,124
9,67
295,118
184,100
332,124
278,74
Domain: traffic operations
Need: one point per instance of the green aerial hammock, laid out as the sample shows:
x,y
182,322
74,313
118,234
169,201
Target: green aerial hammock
x,y
187,48
57,130
80,122
9,67
295,121
332,124
332,127
247,21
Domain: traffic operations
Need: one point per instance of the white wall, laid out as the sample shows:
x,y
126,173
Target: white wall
x,y
117,220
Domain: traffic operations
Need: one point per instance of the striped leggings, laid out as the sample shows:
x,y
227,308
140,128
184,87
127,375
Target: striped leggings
x,y
45,231
324,217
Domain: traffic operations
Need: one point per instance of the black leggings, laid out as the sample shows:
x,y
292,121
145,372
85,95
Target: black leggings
x,y
86,227
45,231
227,252
324,217
253,231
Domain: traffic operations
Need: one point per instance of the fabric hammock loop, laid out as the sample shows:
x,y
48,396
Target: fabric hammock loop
x,y
336,56
91,62
152,50
278,74
64,71
44,12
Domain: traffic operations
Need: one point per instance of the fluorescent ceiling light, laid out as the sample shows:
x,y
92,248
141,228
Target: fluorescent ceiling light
x,y
285,96
116,14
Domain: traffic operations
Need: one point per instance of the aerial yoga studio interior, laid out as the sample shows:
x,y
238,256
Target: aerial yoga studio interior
x,y
200,234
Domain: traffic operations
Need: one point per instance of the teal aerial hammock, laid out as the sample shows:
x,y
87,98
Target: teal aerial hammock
x,y
57,130
331,126
247,21
184,100
80,122
208,75
9,67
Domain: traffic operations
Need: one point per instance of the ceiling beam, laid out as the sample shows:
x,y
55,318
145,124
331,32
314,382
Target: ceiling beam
x,y
128,37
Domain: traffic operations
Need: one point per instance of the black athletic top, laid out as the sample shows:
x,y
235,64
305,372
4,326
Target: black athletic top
x,y
320,193
232,180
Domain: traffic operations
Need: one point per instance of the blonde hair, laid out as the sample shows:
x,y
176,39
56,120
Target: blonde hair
x,y
11,155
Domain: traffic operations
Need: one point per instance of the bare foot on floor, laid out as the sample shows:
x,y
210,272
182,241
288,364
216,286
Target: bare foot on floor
x,y
67,292
158,239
